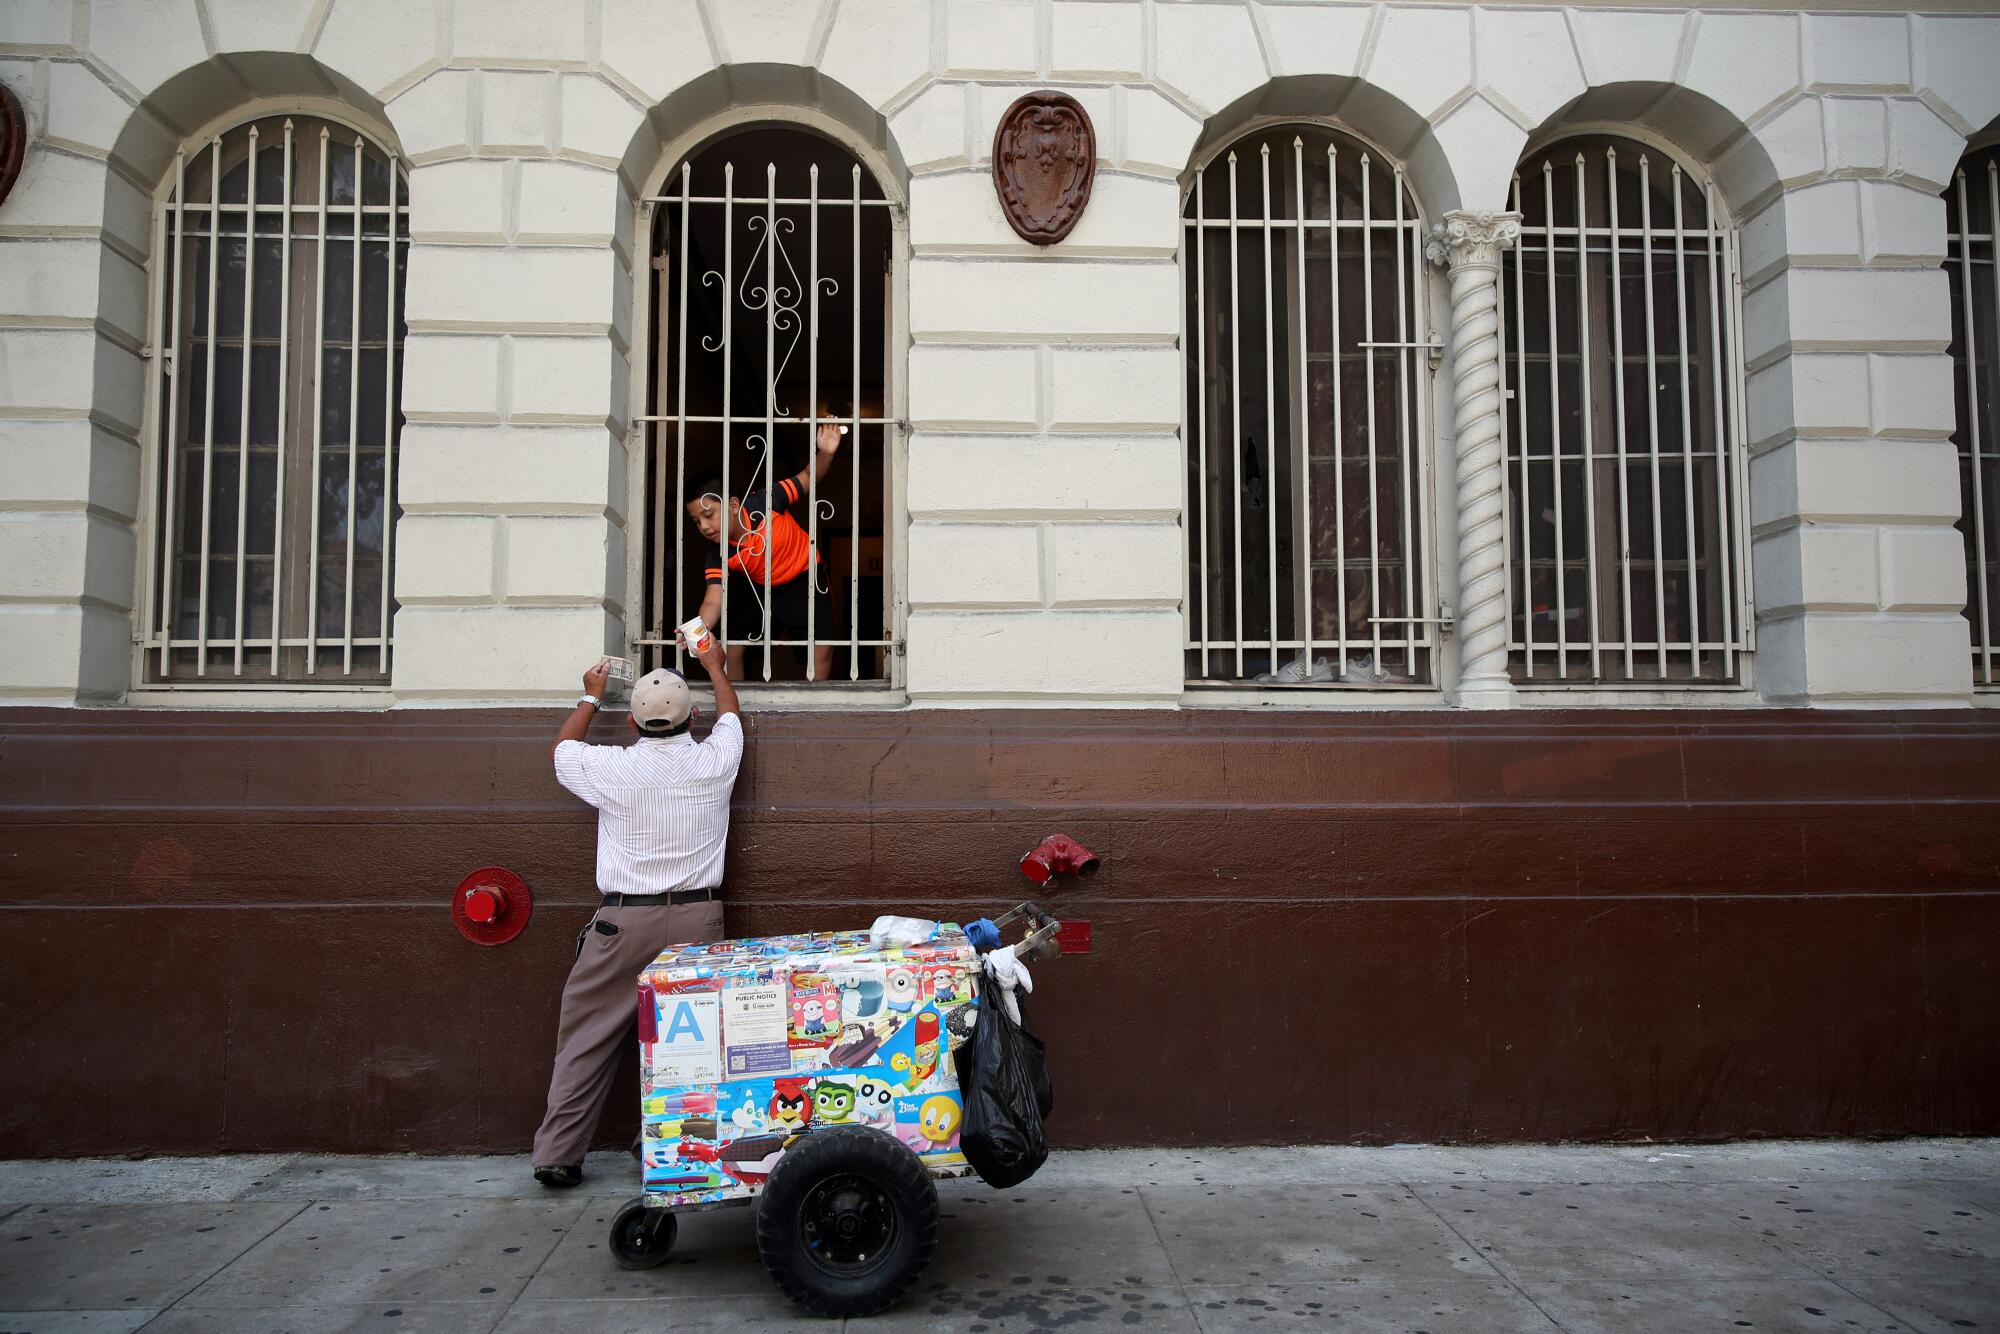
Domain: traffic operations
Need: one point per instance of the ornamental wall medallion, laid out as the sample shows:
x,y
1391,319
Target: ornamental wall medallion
x,y
13,141
1044,161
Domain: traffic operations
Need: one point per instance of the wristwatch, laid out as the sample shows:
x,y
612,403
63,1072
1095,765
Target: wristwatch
x,y
592,700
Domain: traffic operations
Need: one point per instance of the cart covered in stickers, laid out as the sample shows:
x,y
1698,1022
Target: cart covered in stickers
x,y
811,1075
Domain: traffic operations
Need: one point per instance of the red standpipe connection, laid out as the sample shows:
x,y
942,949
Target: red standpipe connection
x,y
1057,854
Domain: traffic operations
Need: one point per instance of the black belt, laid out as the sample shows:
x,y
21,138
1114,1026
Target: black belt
x,y
654,900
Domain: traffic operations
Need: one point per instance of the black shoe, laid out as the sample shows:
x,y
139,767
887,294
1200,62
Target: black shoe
x,y
562,1177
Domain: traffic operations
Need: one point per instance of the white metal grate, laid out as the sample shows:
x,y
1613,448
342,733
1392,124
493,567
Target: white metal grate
x,y
274,412
772,327
1972,211
1305,336
1624,461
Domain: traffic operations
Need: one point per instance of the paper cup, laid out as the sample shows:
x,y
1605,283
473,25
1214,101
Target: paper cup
x,y
696,636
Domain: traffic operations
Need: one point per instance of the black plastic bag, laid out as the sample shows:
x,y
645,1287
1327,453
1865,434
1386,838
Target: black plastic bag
x,y
1003,1079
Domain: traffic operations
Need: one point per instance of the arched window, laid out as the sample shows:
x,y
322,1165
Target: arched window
x,y
1972,208
1306,337
770,388
1624,461
275,409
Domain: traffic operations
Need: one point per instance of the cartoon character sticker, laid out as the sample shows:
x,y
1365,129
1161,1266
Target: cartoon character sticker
x,y
815,1008
945,984
812,1018
791,1106
874,1103
929,1125
833,1101
903,991
748,1118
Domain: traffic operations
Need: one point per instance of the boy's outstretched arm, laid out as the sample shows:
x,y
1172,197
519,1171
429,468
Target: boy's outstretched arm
x,y
826,443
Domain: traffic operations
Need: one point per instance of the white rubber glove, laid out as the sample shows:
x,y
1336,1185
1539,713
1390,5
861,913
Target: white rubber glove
x,y
1010,973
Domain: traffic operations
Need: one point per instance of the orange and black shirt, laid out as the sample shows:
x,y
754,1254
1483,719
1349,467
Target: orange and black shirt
x,y
775,538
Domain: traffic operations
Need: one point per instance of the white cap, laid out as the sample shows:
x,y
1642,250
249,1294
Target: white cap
x,y
661,697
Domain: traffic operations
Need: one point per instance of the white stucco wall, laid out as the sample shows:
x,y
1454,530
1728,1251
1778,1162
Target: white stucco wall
x,y
1043,387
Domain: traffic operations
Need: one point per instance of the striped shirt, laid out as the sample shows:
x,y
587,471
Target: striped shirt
x,y
662,806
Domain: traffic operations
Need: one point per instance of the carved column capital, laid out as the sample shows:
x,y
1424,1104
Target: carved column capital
x,y
1472,240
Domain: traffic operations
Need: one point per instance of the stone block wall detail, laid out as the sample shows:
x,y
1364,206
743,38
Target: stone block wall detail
x,y
1042,482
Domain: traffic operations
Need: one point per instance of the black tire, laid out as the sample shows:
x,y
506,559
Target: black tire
x,y
847,1221
641,1237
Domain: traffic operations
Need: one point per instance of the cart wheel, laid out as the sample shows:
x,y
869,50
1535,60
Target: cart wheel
x,y
847,1221
642,1236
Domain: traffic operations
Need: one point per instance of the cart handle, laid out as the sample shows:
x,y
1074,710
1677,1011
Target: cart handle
x,y
1040,942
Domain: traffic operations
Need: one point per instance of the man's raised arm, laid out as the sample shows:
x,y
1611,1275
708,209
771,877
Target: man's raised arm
x,y
577,724
718,676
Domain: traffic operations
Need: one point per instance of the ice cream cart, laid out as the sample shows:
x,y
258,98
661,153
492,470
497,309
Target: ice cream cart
x,y
810,1075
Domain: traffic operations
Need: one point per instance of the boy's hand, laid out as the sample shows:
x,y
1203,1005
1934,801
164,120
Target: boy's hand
x,y
594,679
828,440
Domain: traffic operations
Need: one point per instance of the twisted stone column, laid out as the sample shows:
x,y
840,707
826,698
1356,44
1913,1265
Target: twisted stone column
x,y
1469,245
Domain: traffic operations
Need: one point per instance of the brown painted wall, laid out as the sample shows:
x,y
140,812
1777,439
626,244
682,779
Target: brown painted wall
x,y
229,931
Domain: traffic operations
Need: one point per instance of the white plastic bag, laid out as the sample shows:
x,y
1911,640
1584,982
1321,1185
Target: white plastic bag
x,y
901,931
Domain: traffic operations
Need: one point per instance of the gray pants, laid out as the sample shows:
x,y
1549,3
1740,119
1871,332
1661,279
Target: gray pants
x,y
600,1015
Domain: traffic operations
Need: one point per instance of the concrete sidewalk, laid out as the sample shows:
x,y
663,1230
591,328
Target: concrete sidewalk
x,y
1802,1236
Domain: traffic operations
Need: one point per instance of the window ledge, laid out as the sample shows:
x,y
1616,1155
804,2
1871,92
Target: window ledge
x,y
1322,697
314,698
1581,696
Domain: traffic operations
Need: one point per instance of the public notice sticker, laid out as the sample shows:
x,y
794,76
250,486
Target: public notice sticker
x,y
754,1028
689,1047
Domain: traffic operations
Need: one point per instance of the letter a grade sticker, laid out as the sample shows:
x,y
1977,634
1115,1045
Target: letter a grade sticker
x,y
689,1049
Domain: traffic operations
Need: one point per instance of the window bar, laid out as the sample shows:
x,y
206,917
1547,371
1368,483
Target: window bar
x,y
1718,375
813,561
1972,442
1618,417
1270,422
1333,350
1653,416
388,421
1200,242
284,401
1236,405
1687,429
1521,431
680,433
1584,391
770,394
1983,537
1555,421
1421,631
243,407
854,466
159,437
319,412
1368,354
170,430
208,400
1405,292
353,421
724,544
1302,521
1739,447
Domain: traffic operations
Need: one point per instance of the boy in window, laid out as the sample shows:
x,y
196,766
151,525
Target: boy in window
x,y
765,540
